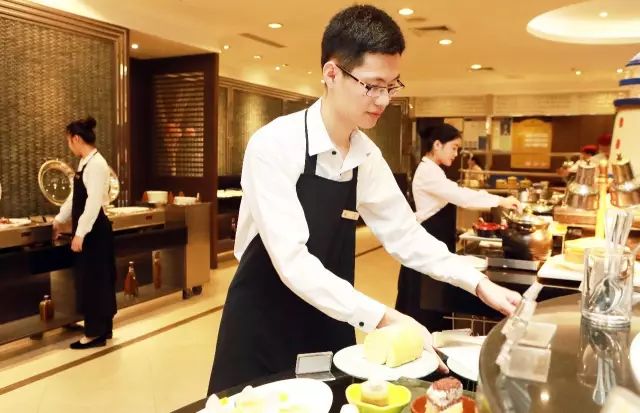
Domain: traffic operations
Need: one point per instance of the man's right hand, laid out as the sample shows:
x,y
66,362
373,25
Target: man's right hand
x,y
392,316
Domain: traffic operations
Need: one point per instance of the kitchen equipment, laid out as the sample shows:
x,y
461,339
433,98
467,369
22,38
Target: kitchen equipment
x,y
582,193
184,200
157,197
527,237
625,189
512,182
487,229
607,286
55,179
501,184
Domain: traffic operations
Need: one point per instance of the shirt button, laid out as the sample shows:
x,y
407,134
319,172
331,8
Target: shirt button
x,y
334,153
361,324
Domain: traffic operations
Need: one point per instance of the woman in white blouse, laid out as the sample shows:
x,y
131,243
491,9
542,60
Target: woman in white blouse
x,y
436,198
92,235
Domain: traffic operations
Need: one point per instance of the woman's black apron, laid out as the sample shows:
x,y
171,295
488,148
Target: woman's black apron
x,y
95,265
264,324
442,225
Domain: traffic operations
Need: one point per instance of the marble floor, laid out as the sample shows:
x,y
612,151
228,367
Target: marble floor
x,y
161,354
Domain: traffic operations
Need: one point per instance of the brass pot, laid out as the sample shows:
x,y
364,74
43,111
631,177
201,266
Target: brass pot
x,y
527,237
582,192
625,189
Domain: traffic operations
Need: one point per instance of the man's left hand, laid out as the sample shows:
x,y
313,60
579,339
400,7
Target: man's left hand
x,y
497,297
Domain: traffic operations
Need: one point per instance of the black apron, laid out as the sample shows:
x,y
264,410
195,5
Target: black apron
x,y
264,324
95,264
442,226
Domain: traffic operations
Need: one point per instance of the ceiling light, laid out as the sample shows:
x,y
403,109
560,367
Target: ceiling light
x,y
135,46
406,12
620,70
445,42
277,67
322,81
603,14
284,65
578,72
309,72
275,25
476,66
257,57
226,47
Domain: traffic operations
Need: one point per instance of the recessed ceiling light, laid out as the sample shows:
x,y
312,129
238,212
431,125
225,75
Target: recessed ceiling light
x,y
309,72
275,25
578,72
406,12
277,67
445,42
603,14
620,70
257,57
322,81
135,46
476,66
284,65
226,47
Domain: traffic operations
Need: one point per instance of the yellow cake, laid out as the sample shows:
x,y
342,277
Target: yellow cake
x,y
394,345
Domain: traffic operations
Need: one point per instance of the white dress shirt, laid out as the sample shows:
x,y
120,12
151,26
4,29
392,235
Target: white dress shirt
x,y
432,191
96,180
273,162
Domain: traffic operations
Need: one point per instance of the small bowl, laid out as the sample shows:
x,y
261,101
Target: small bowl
x,y
184,200
419,405
399,398
157,197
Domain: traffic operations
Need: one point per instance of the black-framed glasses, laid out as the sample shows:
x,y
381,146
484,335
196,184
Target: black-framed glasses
x,y
373,90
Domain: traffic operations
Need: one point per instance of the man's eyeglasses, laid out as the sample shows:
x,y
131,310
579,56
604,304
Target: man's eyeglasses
x,y
373,90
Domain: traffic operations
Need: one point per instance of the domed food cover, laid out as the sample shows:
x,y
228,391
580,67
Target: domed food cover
x,y
56,182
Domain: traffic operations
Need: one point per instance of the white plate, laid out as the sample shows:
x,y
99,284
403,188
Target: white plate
x,y
313,395
634,356
464,360
351,360
128,210
16,222
558,268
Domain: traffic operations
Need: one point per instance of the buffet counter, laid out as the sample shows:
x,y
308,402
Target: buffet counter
x,y
572,383
168,248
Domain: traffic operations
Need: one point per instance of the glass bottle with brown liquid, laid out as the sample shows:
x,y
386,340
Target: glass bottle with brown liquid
x,y
130,282
46,308
157,271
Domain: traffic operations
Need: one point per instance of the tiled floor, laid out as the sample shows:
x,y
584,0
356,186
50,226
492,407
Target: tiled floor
x,y
152,364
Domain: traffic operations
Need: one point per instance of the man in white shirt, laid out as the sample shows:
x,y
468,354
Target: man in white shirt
x,y
306,179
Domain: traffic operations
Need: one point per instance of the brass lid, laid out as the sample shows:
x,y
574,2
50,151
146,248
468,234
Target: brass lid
x,y
55,179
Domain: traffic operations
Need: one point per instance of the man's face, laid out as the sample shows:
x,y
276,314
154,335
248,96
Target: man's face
x,y
354,102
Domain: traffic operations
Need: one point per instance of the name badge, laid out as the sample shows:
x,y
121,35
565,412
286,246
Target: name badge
x,y
352,215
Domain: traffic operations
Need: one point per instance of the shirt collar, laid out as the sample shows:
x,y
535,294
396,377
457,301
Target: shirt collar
x,y
320,142
85,159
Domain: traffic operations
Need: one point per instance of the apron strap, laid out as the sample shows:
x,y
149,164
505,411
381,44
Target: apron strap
x,y
310,162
